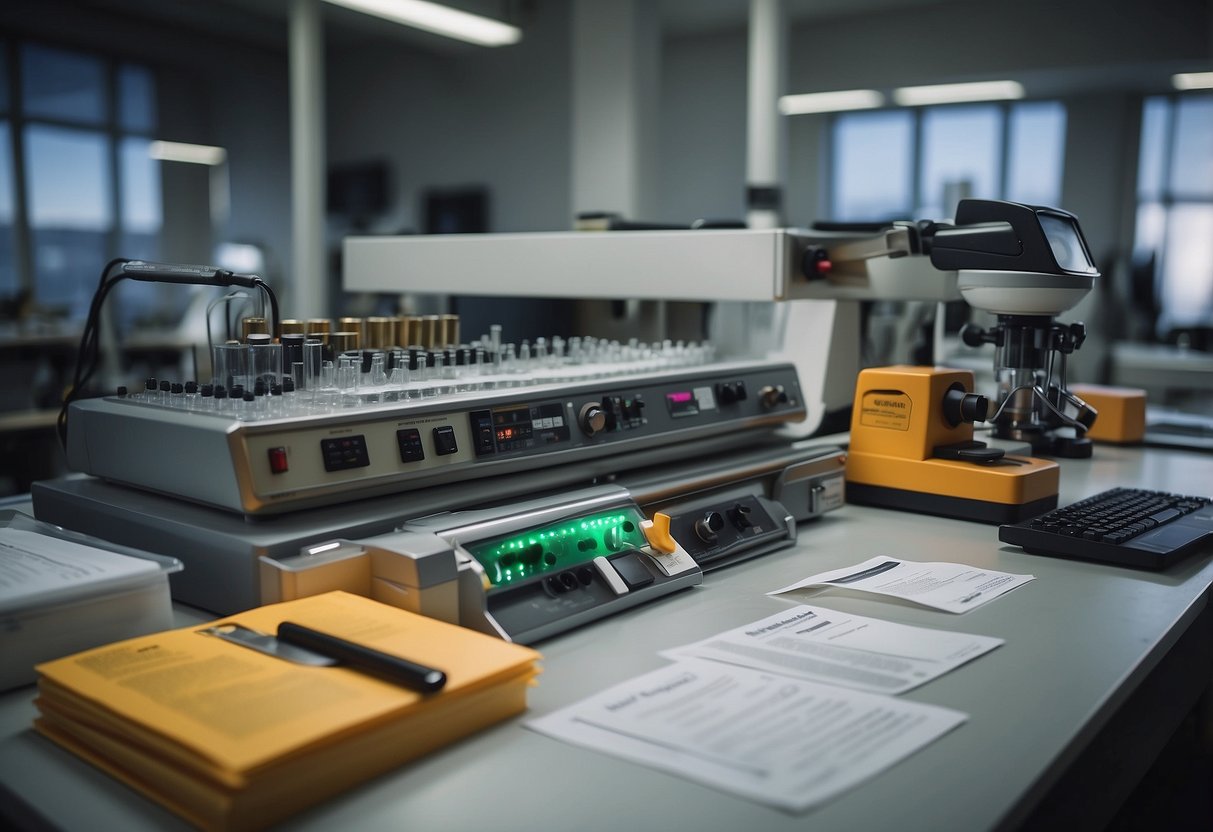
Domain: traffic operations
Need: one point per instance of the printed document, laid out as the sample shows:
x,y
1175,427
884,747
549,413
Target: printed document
x,y
827,646
785,742
36,567
953,587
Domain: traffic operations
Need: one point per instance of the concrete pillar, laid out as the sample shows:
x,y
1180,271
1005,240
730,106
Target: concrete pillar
x,y
616,52
765,127
308,293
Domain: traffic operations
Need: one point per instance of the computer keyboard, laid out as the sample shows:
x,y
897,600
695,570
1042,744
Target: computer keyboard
x,y
1125,526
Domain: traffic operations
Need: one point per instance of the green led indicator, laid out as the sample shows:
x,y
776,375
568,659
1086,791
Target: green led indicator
x,y
558,546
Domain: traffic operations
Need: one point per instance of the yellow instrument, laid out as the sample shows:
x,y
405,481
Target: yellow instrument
x,y
912,448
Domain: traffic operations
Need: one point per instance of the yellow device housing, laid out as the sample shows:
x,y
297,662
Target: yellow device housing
x,y
911,449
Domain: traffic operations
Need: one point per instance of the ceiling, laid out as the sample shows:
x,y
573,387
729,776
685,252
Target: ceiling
x,y
263,22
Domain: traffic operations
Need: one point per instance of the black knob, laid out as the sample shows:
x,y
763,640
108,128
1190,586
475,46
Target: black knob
x,y
973,336
959,406
726,392
708,527
741,516
592,418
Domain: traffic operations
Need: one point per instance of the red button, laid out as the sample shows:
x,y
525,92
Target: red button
x,y
278,460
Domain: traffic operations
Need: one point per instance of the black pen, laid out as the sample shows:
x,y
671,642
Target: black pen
x,y
410,674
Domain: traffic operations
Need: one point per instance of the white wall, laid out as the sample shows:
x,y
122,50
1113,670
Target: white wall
x,y
497,117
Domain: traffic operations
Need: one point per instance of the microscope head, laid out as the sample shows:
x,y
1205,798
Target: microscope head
x,y
1014,259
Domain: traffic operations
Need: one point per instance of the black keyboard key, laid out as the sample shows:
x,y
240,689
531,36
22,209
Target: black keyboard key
x,y
1126,526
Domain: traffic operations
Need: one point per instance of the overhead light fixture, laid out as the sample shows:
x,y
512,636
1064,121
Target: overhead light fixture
x,y
829,102
195,154
1192,81
439,19
955,93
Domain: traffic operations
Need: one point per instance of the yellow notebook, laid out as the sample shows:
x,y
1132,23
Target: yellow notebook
x,y
231,738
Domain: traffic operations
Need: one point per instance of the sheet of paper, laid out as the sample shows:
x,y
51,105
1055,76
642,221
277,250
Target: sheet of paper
x,y
837,648
35,566
953,587
781,741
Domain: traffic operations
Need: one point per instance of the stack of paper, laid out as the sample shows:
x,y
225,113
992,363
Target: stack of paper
x,y
232,738
62,592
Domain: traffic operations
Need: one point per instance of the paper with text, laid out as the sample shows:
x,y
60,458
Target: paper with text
x,y
837,648
953,587
36,567
785,742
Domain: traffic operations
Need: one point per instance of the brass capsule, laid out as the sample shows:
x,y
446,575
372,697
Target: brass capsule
x,y
251,326
344,341
380,333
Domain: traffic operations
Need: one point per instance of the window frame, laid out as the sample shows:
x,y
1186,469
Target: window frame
x,y
1001,175
111,129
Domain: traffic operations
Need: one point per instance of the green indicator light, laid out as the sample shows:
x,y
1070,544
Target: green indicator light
x,y
547,550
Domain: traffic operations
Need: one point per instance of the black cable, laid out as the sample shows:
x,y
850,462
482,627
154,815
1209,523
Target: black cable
x,y
87,354
89,351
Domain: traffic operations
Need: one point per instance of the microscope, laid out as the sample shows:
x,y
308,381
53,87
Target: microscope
x,y
1025,264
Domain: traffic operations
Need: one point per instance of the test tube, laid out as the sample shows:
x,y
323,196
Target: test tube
x,y
229,363
313,357
265,364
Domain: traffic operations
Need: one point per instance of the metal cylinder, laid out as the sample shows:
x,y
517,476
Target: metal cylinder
x,y
292,326
431,331
353,325
342,342
253,326
379,334
412,331
450,330
319,328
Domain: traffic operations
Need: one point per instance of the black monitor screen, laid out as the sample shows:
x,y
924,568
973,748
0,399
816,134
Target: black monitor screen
x,y
358,191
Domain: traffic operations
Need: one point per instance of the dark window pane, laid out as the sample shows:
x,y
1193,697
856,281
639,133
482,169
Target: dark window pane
x,y
1036,153
1192,162
136,99
3,77
62,85
1155,118
1186,290
872,166
961,147
70,212
8,256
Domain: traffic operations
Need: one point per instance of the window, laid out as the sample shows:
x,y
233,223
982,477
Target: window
x,y
917,163
77,136
1173,244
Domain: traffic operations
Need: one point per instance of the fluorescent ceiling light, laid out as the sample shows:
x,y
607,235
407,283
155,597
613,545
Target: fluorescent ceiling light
x,y
952,93
830,102
1192,81
439,19
196,154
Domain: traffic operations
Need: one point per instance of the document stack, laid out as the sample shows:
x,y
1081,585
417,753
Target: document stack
x,y
234,738
63,592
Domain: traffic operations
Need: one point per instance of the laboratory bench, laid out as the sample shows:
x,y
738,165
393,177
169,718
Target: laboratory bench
x,y
1099,667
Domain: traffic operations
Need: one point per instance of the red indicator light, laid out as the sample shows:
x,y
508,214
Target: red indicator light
x,y
678,398
278,460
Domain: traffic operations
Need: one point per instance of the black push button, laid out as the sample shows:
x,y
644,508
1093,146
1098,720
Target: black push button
x,y
409,441
344,452
631,568
444,441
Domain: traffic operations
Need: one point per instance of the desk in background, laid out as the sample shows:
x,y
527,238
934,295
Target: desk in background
x,y
1099,667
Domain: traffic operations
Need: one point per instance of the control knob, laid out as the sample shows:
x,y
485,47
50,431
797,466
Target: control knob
x,y
708,527
592,418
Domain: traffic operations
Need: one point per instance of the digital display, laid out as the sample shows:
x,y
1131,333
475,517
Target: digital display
x,y
682,403
525,426
1067,246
